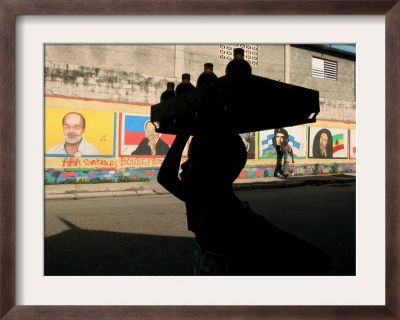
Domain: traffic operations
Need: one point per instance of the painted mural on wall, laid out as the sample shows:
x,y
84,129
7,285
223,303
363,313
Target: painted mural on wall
x,y
250,143
269,140
79,133
326,143
95,175
138,137
353,147
125,174
298,170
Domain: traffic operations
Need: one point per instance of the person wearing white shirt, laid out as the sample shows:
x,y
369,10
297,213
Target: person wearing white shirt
x,y
74,125
288,157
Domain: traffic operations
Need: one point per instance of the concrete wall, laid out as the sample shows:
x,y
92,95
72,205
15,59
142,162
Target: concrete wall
x,y
337,97
300,73
128,79
138,74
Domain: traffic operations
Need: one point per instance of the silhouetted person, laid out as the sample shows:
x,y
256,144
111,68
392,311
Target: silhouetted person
x,y
323,144
207,76
169,93
230,238
238,64
185,85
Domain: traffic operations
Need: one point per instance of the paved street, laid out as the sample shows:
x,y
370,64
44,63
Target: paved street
x,y
147,235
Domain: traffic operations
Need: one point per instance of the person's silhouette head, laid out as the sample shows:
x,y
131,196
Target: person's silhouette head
x,y
213,164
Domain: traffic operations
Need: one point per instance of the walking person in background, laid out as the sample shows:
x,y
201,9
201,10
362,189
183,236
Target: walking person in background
x,y
288,157
280,134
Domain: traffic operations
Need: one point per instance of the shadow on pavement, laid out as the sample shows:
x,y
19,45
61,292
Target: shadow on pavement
x,y
80,252
102,253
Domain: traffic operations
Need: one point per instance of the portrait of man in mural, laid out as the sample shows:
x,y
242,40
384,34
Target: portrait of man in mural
x,y
74,126
323,144
280,134
152,144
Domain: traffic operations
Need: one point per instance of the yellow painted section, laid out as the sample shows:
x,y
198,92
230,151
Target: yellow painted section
x,y
99,128
97,112
332,124
85,104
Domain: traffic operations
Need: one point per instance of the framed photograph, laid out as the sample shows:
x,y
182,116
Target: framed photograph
x,y
14,267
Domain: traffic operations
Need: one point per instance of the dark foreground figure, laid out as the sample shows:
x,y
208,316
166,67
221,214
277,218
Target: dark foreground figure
x,y
230,238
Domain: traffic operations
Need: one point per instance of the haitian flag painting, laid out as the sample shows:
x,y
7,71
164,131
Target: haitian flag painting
x,y
138,137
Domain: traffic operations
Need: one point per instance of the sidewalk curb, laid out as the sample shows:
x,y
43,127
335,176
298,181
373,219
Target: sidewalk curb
x,y
98,194
238,186
267,185
286,184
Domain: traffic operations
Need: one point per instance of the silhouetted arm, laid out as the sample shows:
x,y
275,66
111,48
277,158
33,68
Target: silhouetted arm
x,y
168,174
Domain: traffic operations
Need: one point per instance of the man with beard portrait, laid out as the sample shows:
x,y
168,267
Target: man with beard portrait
x,y
323,144
74,125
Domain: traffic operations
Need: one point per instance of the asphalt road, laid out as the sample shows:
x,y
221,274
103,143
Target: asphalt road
x,y
147,235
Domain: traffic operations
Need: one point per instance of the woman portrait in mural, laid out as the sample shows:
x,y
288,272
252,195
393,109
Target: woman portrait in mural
x,y
230,238
323,144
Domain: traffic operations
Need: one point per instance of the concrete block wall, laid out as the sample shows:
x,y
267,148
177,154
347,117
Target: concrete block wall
x,y
80,81
115,85
139,73
130,79
341,110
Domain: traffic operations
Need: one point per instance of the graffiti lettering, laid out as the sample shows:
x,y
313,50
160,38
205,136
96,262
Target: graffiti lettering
x,y
128,162
141,162
100,162
74,162
71,162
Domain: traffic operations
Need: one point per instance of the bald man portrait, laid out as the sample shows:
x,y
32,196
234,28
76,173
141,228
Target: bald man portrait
x,y
74,126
